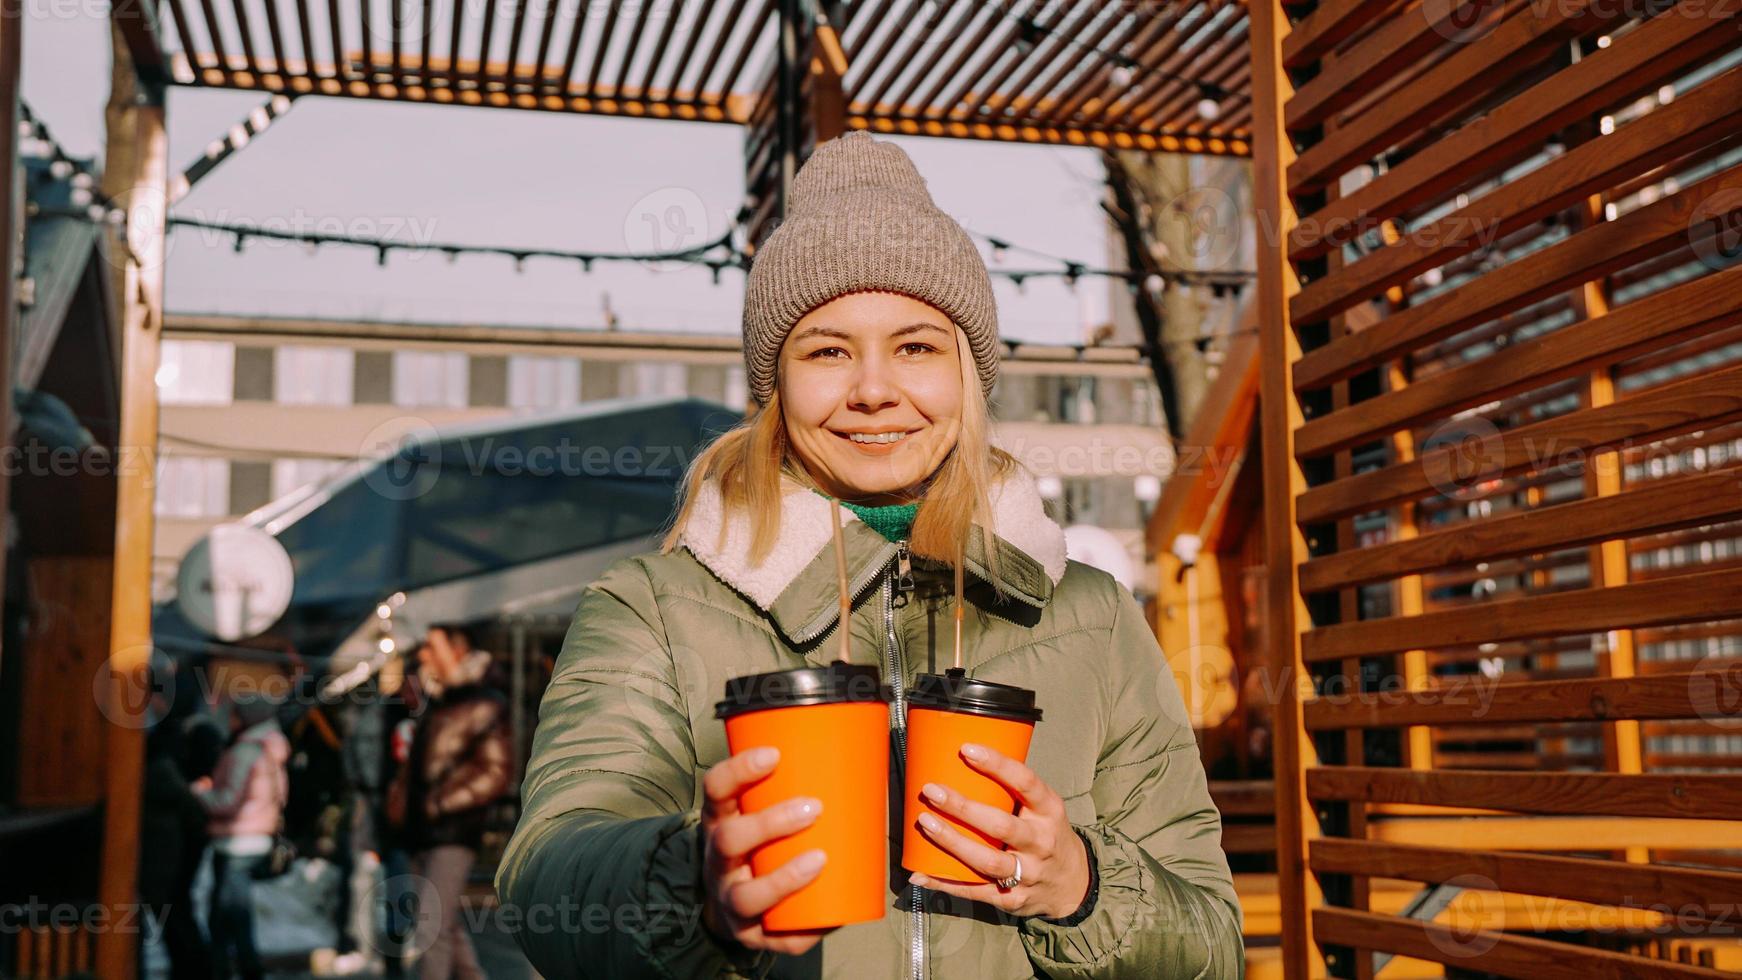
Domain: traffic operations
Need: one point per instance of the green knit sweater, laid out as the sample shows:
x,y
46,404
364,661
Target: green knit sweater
x,y
893,521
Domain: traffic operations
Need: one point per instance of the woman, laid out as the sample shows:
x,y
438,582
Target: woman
x,y
244,801
870,337
461,761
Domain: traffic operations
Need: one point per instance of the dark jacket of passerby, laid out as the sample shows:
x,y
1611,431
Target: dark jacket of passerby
x,y
461,762
173,827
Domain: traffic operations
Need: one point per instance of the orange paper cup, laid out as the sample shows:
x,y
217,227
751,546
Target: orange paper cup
x,y
831,725
943,712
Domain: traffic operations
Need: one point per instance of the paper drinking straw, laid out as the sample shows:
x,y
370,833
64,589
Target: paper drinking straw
x,y
959,558
846,655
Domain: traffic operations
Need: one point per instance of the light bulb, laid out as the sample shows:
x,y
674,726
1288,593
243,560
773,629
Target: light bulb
x,y
1209,109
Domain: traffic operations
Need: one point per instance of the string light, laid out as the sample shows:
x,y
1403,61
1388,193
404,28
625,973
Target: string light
x,y
104,210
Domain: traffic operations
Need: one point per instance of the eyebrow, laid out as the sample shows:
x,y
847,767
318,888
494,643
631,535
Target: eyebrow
x,y
839,334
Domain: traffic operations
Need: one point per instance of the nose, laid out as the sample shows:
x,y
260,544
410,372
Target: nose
x,y
872,388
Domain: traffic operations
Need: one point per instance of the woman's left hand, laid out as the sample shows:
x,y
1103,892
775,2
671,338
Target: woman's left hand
x,y
1054,862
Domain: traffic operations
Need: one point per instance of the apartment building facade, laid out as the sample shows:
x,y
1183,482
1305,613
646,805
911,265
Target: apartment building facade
x,y
255,407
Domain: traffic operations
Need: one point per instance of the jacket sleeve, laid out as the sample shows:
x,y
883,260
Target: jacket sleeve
x,y
603,872
483,776
230,780
1165,903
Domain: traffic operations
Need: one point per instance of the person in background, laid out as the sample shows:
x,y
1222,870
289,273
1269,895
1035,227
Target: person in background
x,y
244,802
173,826
460,763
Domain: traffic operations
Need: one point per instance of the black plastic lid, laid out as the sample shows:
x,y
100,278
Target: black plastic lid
x,y
954,690
837,683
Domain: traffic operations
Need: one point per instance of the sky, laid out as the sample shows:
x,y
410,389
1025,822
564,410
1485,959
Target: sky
x,y
521,179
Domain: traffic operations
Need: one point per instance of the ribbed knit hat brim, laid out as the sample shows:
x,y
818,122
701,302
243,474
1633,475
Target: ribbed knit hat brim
x,y
860,219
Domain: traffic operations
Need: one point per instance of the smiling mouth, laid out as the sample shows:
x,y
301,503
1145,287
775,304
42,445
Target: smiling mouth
x,y
874,438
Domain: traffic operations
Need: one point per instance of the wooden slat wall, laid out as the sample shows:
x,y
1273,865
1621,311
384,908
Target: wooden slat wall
x,y
1501,382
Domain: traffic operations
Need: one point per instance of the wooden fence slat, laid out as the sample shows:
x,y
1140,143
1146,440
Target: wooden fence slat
x,y
1639,61
1511,48
1330,24
1566,440
1678,795
1682,311
1395,45
1579,258
1461,701
1494,952
1691,598
1578,879
1660,505
1706,115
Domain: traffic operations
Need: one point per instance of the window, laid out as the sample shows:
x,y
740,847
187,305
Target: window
x,y
652,379
193,486
543,383
290,474
196,372
433,379
737,389
306,375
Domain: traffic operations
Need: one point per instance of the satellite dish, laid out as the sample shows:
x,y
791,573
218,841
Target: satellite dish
x,y
1101,548
234,582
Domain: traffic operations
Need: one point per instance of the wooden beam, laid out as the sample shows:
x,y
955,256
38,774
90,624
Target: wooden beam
x,y
1581,257
1495,952
1687,599
1554,444
1678,796
1661,505
1699,693
1705,115
1660,48
135,176
1284,546
1692,892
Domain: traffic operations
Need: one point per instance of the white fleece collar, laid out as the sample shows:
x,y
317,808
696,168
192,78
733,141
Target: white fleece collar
x,y
1018,517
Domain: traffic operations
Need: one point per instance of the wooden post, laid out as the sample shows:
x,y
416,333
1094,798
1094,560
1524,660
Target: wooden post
x,y
135,176
1284,545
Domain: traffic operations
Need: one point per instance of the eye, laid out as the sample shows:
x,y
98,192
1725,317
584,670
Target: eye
x,y
917,347
825,352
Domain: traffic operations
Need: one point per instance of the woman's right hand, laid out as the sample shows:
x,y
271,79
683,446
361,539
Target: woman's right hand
x,y
735,898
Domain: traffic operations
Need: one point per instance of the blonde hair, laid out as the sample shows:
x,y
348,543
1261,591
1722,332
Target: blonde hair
x,y
753,461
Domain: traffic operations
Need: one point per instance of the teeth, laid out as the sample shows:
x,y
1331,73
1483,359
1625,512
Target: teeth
x,y
878,437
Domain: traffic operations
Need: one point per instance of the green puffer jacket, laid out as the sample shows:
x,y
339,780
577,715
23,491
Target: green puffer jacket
x,y
603,874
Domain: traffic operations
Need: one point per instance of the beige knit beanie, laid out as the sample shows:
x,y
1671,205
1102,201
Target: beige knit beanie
x,y
861,218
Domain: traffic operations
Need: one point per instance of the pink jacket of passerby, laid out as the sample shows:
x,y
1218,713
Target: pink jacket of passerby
x,y
250,785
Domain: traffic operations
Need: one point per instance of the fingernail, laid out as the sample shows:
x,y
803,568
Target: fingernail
x,y
933,792
918,879
807,807
930,822
810,862
765,757
973,751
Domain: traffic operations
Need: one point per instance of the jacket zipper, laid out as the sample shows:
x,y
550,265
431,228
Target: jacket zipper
x,y
900,577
